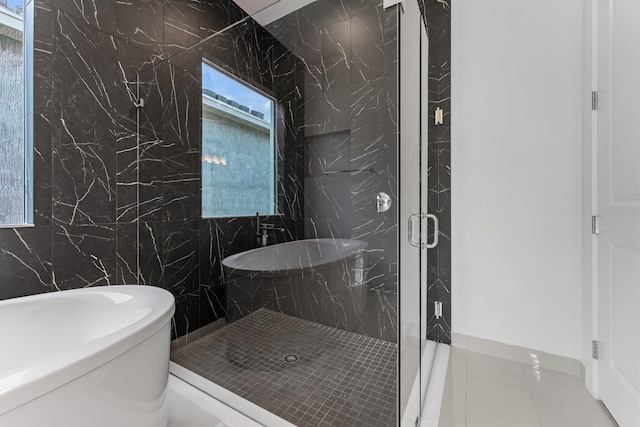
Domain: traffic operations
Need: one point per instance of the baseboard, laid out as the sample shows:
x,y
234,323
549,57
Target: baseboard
x,y
518,354
198,333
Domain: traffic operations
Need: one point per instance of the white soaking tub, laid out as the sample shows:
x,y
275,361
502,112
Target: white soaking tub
x,y
89,357
294,257
294,278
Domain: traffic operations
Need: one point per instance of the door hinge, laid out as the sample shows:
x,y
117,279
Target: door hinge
x,y
439,116
595,224
594,100
595,349
437,309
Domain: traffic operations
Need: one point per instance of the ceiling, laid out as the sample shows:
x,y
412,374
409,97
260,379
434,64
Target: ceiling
x,y
253,6
267,11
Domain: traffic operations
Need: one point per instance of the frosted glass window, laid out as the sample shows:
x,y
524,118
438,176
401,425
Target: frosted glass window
x,y
16,114
238,149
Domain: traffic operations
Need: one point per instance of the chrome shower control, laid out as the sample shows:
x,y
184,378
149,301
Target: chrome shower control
x,y
382,202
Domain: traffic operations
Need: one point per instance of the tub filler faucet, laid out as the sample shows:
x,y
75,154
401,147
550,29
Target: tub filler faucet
x,y
262,230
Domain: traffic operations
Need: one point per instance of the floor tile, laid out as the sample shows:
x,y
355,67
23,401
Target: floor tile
x,y
454,402
498,371
495,392
555,413
336,378
556,385
458,360
492,405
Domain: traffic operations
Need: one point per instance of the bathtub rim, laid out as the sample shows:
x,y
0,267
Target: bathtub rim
x,y
359,250
52,372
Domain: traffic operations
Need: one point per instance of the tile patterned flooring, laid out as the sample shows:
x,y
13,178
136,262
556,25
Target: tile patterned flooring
x,y
485,391
340,378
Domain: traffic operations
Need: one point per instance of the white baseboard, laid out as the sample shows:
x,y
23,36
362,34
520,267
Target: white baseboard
x,y
518,354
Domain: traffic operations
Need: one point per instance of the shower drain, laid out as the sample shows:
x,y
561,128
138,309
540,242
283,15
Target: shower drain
x,y
291,358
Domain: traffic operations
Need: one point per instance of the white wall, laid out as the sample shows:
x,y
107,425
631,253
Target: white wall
x,y
517,182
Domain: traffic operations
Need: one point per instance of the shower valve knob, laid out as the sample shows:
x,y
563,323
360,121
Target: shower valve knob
x,y
382,202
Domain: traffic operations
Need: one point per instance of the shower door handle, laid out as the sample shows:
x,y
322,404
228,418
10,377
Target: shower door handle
x,y
436,231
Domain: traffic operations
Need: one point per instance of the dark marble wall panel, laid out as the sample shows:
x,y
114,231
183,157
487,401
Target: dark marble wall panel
x,y
437,14
179,250
332,68
83,255
112,208
25,261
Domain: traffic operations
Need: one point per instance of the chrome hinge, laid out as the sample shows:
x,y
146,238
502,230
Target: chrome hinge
x,y
438,309
594,100
595,349
439,116
595,224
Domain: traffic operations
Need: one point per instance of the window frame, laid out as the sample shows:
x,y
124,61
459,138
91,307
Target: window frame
x,y
272,137
28,75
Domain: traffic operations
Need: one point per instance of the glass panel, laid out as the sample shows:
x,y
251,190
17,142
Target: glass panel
x,y
410,216
427,348
307,299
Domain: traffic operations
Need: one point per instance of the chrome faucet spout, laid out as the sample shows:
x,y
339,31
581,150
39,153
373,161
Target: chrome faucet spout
x,y
263,229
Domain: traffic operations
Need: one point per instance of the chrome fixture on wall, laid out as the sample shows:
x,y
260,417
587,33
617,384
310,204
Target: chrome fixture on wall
x,y
262,230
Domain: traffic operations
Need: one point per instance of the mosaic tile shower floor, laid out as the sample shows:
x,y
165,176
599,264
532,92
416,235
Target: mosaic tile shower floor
x,y
339,379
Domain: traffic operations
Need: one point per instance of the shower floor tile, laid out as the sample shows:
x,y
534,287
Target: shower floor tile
x,y
339,378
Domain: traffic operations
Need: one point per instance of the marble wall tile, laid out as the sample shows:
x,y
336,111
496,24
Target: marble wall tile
x,y
212,304
181,257
83,256
262,73
169,162
335,60
84,145
181,25
42,112
241,233
151,144
126,254
25,261
151,253
214,16
123,19
381,321
350,127
367,45
84,124
141,24
243,58
187,316
213,249
239,297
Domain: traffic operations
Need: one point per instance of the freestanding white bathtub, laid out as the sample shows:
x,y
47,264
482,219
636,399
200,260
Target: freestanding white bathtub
x,y
321,280
89,357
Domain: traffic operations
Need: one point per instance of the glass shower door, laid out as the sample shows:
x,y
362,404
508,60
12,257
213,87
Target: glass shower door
x,y
418,229
412,220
